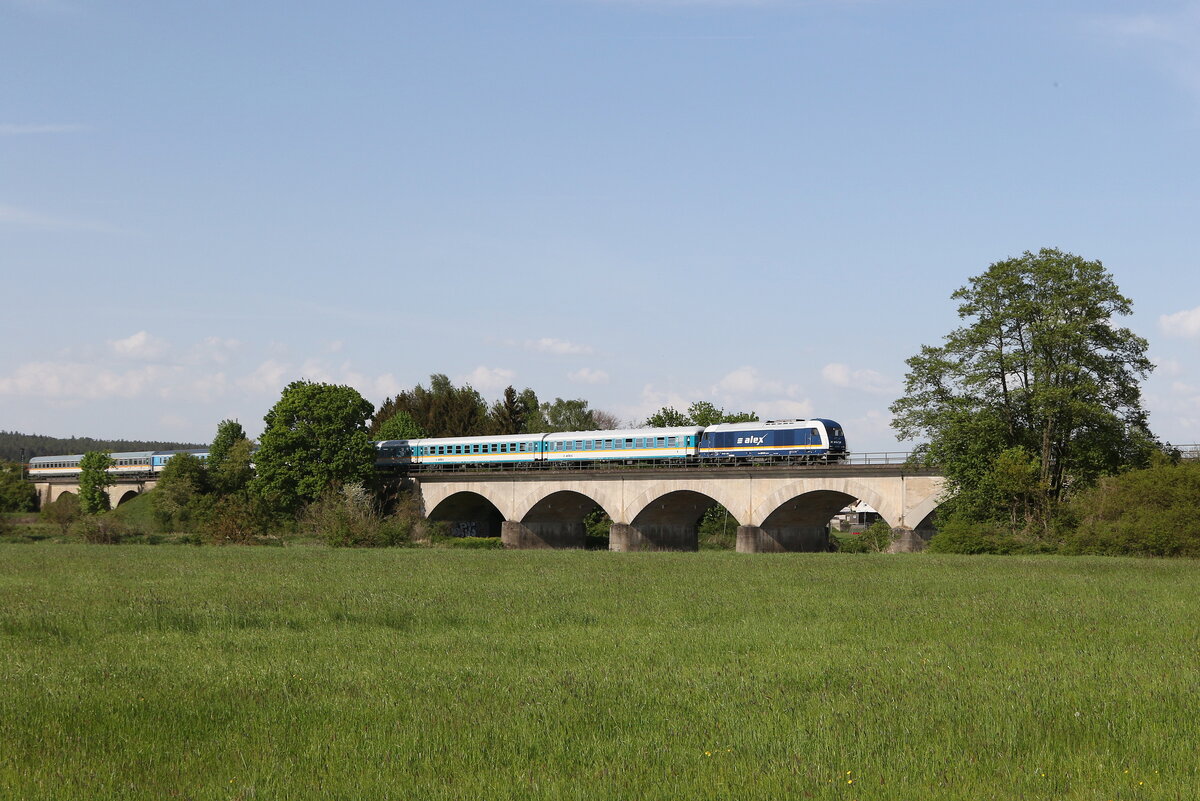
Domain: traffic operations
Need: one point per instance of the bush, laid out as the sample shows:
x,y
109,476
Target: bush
x,y
968,537
1151,512
102,529
349,518
849,543
63,512
236,520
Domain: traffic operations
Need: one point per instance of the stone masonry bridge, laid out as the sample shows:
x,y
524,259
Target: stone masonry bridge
x,y
657,509
126,488
652,509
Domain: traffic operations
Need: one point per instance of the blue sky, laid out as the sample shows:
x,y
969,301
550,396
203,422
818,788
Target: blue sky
x,y
638,202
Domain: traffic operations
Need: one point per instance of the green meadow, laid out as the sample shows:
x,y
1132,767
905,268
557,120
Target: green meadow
x,y
165,672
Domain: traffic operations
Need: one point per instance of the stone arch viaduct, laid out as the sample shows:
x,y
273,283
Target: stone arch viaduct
x,y
653,509
776,508
119,493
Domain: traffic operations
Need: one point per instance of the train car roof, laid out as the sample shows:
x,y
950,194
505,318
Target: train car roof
x,y
625,433
760,425
76,456
468,440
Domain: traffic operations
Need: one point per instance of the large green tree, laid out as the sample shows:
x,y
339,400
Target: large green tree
x,y
1035,394
315,437
94,481
442,410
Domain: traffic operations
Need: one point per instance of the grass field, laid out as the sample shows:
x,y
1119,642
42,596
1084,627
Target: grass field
x,y
304,673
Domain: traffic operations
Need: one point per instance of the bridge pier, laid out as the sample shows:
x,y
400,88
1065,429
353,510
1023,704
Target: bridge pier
x,y
782,539
652,537
907,540
558,534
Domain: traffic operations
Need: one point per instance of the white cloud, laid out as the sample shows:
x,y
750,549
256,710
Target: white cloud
x,y
841,375
140,347
1184,324
743,381
20,129
489,379
76,380
783,409
268,377
559,347
587,375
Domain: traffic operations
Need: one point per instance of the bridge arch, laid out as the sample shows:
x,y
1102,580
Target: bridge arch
x,y
666,522
469,513
715,491
601,495
848,490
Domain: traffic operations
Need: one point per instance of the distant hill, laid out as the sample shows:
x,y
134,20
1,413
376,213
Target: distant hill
x,y
12,442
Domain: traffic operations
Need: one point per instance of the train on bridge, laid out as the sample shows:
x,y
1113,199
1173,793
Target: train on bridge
x,y
773,441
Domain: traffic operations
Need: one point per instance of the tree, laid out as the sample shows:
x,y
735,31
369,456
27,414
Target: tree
x,y
509,415
667,417
443,410
700,413
534,422
400,426
94,479
179,494
228,433
16,494
605,420
567,415
315,437
233,473
1041,374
